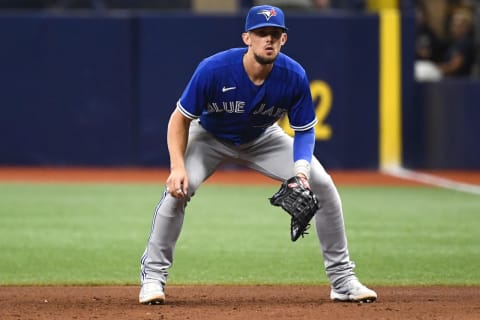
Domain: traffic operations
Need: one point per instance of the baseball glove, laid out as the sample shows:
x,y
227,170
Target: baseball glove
x,y
296,198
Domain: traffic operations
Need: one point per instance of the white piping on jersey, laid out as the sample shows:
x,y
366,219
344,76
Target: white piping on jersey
x,y
305,127
185,112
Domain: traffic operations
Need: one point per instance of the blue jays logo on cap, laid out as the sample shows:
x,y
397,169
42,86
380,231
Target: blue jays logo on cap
x,y
265,16
268,13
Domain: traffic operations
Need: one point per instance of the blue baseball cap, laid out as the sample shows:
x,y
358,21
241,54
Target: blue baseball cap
x,y
265,16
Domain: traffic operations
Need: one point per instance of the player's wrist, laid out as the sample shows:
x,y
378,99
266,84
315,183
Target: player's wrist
x,y
302,168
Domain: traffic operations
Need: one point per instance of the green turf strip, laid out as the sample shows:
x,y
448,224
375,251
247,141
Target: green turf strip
x,y
95,234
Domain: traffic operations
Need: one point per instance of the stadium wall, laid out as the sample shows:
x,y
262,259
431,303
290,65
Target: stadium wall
x,y
443,131
82,90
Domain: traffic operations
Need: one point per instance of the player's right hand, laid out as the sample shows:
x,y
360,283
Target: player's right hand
x,y
177,184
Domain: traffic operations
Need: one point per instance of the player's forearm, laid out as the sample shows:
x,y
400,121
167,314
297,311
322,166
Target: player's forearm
x,y
177,136
303,146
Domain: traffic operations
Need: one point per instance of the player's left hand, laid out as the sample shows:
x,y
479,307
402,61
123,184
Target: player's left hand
x,y
296,198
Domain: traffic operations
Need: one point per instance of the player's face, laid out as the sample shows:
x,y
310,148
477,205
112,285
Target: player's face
x,y
265,43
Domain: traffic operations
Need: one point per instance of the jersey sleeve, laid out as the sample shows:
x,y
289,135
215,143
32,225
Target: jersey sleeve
x,y
193,98
302,113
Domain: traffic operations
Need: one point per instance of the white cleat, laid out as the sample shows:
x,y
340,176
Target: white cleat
x,y
353,291
151,293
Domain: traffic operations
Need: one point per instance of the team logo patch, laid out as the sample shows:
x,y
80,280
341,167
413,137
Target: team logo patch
x,y
268,13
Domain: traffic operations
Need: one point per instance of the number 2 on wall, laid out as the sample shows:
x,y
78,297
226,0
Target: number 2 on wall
x,y
322,97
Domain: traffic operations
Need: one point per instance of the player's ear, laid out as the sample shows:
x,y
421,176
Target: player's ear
x,y
283,39
246,38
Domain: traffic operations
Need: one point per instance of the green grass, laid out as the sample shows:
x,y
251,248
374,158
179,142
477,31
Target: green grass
x,y
95,234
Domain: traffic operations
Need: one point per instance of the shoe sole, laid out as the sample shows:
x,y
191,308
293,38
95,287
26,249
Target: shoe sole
x,y
156,300
358,299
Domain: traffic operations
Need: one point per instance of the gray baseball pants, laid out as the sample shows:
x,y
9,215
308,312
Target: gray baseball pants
x,y
272,155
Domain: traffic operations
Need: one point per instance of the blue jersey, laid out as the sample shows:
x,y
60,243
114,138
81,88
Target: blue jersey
x,y
233,108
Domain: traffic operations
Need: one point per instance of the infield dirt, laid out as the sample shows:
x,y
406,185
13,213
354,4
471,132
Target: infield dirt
x,y
236,302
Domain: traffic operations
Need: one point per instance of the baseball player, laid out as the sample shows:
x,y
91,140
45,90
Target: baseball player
x,y
227,114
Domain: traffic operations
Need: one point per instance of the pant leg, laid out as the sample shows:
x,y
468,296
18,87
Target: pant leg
x,y
166,226
330,226
202,157
272,155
